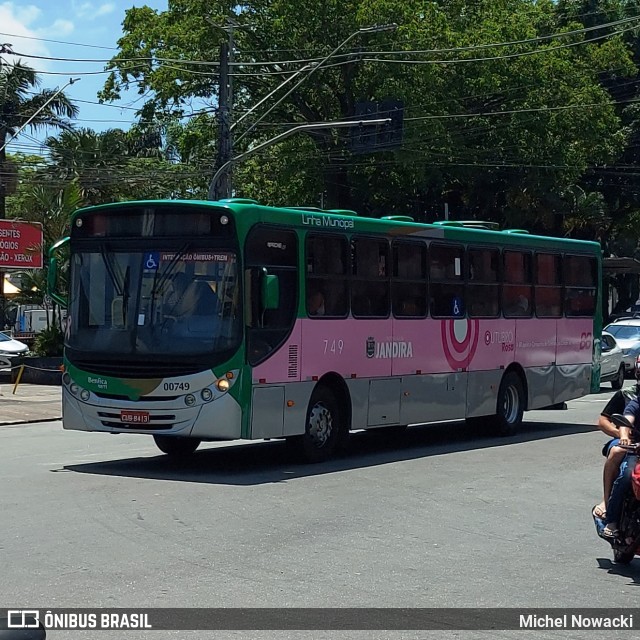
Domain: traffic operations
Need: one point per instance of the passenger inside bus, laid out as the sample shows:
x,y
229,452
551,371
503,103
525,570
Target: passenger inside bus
x,y
199,300
177,287
518,306
195,313
315,303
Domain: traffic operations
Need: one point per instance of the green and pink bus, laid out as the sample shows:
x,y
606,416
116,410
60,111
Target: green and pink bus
x,y
200,321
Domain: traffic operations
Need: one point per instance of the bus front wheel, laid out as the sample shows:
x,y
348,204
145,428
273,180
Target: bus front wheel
x,y
176,446
325,429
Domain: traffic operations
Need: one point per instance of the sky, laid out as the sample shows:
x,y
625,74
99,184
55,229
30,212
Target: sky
x,y
29,27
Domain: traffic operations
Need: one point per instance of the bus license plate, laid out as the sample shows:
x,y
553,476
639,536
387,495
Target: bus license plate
x,y
134,417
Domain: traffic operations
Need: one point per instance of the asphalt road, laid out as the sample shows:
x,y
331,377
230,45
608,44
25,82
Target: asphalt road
x,y
439,518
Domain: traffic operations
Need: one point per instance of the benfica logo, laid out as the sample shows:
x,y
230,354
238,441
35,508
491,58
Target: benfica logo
x,y
371,347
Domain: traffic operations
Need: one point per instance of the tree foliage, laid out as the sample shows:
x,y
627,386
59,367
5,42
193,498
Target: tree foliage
x,y
499,132
20,105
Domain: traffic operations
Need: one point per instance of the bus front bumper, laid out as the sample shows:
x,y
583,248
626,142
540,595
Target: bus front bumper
x,y
217,420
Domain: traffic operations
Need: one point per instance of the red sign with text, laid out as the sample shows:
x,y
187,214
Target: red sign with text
x,y
20,245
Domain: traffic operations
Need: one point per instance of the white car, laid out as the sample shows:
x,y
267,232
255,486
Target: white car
x,y
612,364
627,334
10,349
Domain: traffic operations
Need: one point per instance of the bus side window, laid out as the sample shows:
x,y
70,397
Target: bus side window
x,y
517,290
483,289
370,278
326,259
580,282
446,281
409,280
548,285
276,250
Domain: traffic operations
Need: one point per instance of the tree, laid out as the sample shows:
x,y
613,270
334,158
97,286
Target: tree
x,y
114,164
497,132
52,208
19,106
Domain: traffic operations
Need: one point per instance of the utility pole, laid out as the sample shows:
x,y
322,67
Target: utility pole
x,y
220,185
225,101
4,48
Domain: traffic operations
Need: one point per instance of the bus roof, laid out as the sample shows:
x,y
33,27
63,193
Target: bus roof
x,y
315,219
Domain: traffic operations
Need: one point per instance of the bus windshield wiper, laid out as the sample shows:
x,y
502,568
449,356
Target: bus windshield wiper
x,y
159,284
125,295
108,263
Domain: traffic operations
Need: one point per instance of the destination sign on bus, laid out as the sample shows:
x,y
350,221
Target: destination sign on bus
x,y
20,244
197,257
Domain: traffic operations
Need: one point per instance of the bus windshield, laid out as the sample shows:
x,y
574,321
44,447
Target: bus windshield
x,y
179,303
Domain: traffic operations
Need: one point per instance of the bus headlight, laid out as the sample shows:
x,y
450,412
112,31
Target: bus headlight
x,y
66,378
223,385
190,400
74,388
84,395
207,395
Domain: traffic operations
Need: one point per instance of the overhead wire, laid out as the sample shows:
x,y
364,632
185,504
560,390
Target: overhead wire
x,y
508,43
359,51
489,113
572,17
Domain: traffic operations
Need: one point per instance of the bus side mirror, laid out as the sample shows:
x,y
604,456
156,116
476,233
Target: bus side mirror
x,y
270,291
52,276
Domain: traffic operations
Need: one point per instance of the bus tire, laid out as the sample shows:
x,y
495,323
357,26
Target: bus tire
x,y
510,405
325,427
176,446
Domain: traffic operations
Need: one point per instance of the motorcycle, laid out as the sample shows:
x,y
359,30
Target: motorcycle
x,y
626,545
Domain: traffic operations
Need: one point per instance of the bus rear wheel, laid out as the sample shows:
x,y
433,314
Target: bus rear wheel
x,y
510,405
325,429
176,446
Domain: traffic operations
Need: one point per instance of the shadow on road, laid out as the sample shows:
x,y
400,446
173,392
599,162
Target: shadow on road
x,y
626,570
266,462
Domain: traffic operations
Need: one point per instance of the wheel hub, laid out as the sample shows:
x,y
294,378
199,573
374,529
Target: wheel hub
x,y
510,405
320,424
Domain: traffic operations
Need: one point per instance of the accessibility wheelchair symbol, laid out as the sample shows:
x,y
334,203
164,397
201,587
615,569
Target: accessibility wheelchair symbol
x,y
152,260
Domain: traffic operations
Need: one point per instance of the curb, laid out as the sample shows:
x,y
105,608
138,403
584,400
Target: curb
x,y
35,421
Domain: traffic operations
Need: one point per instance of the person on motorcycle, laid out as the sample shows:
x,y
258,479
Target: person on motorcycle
x,y
627,437
612,451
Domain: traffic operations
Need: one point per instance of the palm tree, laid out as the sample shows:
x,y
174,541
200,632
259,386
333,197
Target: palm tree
x,y
94,159
101,161
19,105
